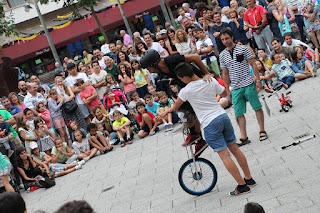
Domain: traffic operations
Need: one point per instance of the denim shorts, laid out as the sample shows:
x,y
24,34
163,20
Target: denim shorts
x,y
219,133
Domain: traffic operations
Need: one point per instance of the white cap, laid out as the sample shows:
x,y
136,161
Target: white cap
x,y
163,32
33,145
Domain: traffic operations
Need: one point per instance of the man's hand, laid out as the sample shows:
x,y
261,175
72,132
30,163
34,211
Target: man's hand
x,y
258,86
207,78
216,34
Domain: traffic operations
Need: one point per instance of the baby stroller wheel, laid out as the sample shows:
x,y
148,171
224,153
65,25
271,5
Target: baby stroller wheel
x,y
285,108
290,104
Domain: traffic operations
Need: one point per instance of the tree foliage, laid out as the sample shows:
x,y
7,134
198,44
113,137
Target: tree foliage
x,y
6,22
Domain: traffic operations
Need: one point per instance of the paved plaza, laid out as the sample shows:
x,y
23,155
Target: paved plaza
x,y
143,177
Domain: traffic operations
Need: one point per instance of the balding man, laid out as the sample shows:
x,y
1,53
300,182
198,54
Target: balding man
x,y
126,38
33,97
234,4
22,86
36,80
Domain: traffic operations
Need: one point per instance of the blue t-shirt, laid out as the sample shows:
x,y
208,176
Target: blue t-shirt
x,y
14,110
152,109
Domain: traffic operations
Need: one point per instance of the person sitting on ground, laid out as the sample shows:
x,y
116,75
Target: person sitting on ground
x,y
112,137
282,71
135,99
263,71
122,126
97,140
73,127
266,60
62,154
218,130
5,136
147,121
312,56
302,63
150,104
81,147
41,156
169,118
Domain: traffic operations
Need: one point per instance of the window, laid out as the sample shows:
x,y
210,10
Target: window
x,y
14,3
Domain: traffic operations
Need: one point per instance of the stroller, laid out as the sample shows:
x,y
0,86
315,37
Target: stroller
x,y
124,108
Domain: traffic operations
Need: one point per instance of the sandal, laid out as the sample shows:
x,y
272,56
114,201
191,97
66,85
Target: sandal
x,y
263,135
243,142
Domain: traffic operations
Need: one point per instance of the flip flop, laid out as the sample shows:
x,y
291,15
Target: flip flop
x,y
243,142
264,136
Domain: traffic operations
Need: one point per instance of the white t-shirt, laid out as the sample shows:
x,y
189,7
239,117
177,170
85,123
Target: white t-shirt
x,y
226,19
71,80
187,15
102,64
157,47
97,79
105,49
81,147
296,42
204,45
202,97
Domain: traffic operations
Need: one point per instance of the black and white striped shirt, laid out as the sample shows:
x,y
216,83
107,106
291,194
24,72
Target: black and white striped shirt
x,y
236,61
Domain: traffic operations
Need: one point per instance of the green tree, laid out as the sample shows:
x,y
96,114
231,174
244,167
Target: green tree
x,y
87,5
6,23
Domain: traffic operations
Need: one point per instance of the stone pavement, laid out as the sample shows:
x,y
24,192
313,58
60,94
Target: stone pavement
x,y
142,177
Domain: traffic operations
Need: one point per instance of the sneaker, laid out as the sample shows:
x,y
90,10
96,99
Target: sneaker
x,y
86,159
21,186
268,90
82,162
314,71
77,167
122,143
201,145
239,191
191,138
166,127
250,182
170,127
129,140
10,153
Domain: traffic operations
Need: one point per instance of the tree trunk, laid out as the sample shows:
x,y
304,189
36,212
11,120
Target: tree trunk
x,y
171,14
99,24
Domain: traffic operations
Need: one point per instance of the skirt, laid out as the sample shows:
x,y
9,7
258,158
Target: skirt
x,y
46,143
6,170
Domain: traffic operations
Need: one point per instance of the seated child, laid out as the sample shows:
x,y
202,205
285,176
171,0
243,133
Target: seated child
x,y
113,103
134,100
113,84
156,97
262,55
81,147
282,71
122,126
267,84
152,89
5,135
147,121
97,140
152,107
302,63
75,126
30,118
169,118
111,137
41,156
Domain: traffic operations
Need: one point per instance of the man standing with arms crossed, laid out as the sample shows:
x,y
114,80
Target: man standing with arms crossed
x,y
234,62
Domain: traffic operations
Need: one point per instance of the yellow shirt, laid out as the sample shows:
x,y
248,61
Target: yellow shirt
x,y
139,76
88,58
267,63
121,122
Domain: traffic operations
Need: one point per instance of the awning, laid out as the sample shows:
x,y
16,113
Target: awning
x,y
80,29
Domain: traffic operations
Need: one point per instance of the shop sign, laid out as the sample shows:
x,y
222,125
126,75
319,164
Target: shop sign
x,y
43,51
142,14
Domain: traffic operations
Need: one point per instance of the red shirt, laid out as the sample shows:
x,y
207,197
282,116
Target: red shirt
x,y
253,17
88,93
139,117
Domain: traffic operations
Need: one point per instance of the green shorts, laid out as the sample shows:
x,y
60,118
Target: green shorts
x,y
240,97
214,66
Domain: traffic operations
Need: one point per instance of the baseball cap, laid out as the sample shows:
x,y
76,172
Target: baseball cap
x,y
163,32
33,145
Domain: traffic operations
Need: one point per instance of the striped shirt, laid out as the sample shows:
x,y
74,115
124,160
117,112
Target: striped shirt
x,y
237,65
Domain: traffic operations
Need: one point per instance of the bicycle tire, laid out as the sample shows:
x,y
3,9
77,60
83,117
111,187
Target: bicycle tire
x,y
212,182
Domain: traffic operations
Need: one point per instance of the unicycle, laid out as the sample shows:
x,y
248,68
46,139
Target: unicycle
x,y
197,176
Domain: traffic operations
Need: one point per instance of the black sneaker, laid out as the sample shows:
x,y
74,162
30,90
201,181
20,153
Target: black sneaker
x,y
239,191
250,182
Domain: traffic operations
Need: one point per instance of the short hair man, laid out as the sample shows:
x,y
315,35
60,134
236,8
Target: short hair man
x,y
234,62
33,97
154,45
14,110
278,48
22,86
97,53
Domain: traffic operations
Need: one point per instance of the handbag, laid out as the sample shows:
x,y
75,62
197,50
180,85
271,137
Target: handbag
x,y
70,106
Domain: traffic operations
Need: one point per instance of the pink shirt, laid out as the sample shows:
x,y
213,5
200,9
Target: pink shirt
x,y
88,93
45,115
127,87
253,17
127,39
